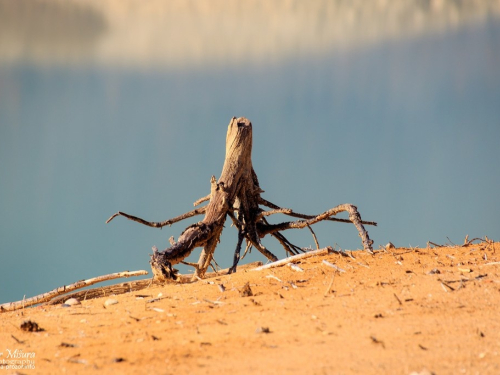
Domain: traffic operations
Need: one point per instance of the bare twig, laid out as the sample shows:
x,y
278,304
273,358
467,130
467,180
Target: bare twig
x,y
282,262
66,289
463,280
331,265
314,237
353,216
434,244
237,252
377,341
282,240
15,338
289,247
349,254
273,212
198,211
450,241
303,216
468,242
330,285
247,250
201,200
397,298
444,283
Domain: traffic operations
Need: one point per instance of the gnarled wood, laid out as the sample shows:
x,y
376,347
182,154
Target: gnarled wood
x,y
237,194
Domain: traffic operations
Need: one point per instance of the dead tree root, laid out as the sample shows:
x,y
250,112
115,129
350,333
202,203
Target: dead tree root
x,y
237,194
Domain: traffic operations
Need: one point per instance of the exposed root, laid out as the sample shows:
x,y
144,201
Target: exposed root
x,y
237,194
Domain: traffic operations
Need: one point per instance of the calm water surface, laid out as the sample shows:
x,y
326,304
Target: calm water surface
x,y
105,107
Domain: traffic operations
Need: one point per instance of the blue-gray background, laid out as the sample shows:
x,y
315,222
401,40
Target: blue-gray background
x,y
404,124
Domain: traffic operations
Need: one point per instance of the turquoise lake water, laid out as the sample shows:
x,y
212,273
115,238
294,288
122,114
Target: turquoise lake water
x,y
399,117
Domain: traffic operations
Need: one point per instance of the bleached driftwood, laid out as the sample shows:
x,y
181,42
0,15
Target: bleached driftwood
x,y
10,306
295,258
136,285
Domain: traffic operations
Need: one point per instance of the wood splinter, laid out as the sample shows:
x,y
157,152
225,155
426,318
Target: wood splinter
x,y
237,194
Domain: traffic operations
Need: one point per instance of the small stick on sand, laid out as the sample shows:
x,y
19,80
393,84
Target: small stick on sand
x,y
445,284
293,258
11,306
397,298
331,265
330,286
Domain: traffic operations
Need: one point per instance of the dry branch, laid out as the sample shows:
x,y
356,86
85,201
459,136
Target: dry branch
x,y
294,258
353,216
303,216
66,289
136,285
198,211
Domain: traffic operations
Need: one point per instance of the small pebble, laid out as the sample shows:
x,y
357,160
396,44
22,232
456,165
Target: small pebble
x,y
72,302
389,245
110,302
423,372
295,267
263,330
246,291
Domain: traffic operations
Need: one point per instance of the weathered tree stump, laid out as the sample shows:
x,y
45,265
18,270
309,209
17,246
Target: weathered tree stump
x,y
237,194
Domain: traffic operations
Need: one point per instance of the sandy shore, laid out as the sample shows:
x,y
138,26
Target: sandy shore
x,y
402,311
